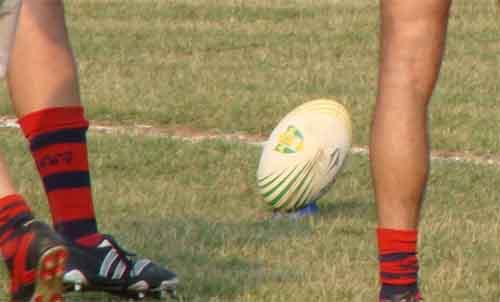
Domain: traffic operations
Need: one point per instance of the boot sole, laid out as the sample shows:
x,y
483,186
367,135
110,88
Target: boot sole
x,y
49,275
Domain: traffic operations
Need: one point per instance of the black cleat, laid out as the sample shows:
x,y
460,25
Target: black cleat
x,y
406,297
38,266
110,268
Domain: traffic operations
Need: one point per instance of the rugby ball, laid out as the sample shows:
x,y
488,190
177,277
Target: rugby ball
x,y
304,154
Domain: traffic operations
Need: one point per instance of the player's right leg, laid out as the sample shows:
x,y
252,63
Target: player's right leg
x,y
412,45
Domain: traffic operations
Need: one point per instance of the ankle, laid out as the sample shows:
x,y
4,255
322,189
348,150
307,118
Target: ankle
x,y
91,240
390,290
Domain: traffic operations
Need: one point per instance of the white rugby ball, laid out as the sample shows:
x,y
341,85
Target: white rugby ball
x,y
304,153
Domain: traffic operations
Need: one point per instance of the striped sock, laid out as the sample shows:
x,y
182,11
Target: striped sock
x,y
13,212
57,138
398,261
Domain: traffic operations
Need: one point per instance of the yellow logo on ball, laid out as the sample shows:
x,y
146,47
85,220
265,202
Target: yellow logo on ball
x,y
290,141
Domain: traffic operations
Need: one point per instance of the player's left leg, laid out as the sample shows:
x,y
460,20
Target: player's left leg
x,y
43,83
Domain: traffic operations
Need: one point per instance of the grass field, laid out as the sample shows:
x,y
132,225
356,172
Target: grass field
x,y
238,66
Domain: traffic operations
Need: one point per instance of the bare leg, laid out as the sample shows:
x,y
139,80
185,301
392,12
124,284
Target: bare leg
x,y
412,45
42,72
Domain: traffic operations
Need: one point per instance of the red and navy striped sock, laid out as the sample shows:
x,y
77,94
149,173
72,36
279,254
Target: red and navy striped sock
x,y
57,138
398,261
13,212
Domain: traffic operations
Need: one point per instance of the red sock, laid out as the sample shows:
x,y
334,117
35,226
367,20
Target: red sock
x,y
13,212
398,261
57,138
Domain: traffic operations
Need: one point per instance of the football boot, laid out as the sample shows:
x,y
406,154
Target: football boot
x,y
109,268
405,297
37,268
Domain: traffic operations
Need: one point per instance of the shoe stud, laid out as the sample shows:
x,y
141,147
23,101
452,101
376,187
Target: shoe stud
x,y
172,293
57,298
141,295
78,287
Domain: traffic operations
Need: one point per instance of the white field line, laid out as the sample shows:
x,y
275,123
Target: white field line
x,y
197,136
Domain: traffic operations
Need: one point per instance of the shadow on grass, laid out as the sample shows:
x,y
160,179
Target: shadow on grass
x,y
222,260
351,208
213,260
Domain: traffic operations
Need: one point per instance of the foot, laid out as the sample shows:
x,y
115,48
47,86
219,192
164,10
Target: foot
x,y
38,266
309,209
406,297
108,267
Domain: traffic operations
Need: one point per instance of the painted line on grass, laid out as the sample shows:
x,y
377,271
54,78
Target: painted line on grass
x,y
195,135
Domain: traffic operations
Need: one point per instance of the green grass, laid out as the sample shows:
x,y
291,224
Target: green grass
x,y
240,66
194,207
